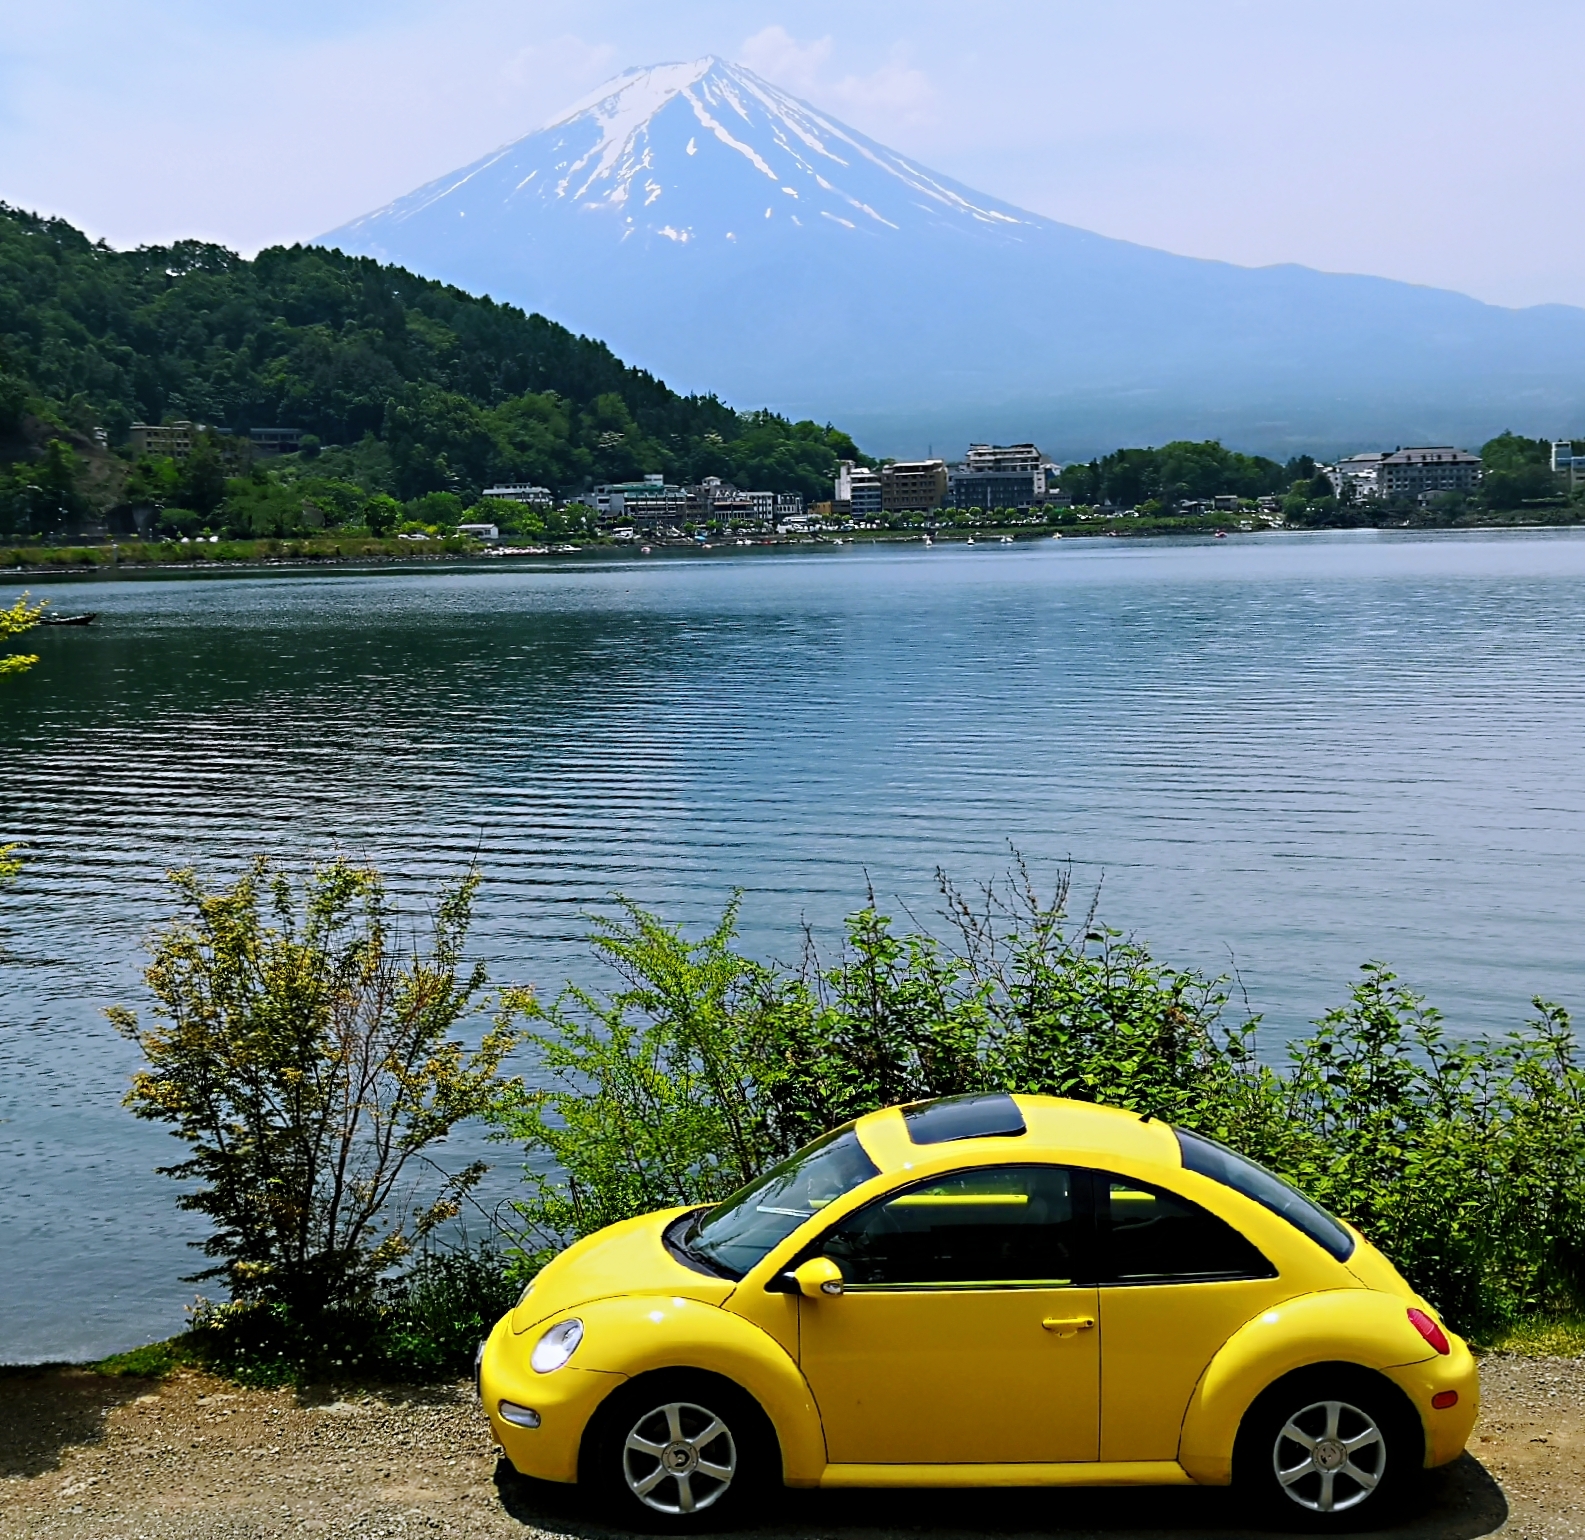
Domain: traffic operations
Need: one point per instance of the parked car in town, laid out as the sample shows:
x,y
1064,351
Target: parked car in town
x,y
983,1291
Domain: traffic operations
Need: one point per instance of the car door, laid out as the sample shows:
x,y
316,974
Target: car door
x,y
963,1333
1176,1283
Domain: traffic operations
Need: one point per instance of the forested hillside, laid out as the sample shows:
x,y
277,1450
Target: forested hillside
x,y
414,389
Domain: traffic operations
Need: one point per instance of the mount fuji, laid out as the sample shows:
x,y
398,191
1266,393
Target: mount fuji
x,y
731,238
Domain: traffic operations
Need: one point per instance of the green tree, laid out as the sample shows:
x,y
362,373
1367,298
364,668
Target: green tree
x,y
20,617
302,1048
1515,471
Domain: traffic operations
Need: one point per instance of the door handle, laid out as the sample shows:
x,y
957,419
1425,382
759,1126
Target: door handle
x,y
1066,1326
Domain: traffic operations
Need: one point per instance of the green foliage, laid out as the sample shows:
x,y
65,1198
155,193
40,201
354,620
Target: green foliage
x,y
14,620
1464,1162
1516,471
455,392
650,1099
422,1325
303,1051
1175,472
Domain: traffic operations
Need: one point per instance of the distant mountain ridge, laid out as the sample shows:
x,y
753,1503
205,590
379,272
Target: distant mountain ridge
x,y
730,237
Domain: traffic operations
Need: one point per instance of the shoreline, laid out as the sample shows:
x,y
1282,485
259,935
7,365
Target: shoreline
x,y
91,560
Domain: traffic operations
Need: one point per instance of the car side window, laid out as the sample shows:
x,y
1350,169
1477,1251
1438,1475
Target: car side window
x,y
1151,1236
992,1227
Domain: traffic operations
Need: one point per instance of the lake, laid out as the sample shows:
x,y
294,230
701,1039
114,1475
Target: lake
x,y
1283,753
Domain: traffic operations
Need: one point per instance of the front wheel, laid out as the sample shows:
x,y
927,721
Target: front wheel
x,y
1329,1452
681,1452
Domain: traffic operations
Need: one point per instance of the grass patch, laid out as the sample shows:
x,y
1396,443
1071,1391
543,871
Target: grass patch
x,y
153,1361
1556,1336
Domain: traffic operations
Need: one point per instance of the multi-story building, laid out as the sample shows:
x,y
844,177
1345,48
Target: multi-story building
x,y
173,439
651,501
1423,472
999,476
1566,463
522,492
1356,479
912,486
858,492
276,441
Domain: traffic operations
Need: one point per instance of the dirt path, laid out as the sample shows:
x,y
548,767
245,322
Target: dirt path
x,y
88,1458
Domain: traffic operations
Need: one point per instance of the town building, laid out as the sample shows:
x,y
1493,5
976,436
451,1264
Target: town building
x,y
1566,463
773,507
522,492
485,532
999,476
912,486
652,501
1356,479
276,441
1424,472
858,493
175,440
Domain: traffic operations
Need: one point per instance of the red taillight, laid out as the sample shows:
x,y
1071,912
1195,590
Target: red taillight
x,y
1444,1399
1428,1329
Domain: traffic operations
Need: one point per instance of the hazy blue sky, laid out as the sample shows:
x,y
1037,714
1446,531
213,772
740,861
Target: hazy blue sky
x,y
1436,142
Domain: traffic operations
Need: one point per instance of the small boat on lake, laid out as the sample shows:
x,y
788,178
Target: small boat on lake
x,y
86,619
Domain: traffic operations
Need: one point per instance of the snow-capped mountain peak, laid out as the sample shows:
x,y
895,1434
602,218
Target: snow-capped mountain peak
x,y
701,150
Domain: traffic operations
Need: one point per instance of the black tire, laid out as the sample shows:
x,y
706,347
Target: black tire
x,y
680,1451
1330,1449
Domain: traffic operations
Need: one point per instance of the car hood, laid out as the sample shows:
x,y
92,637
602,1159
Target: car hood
x,y
626,1258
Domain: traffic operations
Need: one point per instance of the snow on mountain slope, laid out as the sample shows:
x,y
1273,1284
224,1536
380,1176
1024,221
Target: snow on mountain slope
x,y
732,238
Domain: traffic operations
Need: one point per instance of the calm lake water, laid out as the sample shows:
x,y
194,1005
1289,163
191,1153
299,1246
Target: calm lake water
x,y
1288,752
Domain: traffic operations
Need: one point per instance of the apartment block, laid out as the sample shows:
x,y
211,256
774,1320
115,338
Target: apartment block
x,y
912,486
175,440
1423,472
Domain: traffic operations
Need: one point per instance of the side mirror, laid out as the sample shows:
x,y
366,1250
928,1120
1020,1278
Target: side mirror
x,y
817,1276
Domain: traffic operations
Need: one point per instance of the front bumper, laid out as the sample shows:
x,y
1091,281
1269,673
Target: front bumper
x,y
1447,1429
565,1399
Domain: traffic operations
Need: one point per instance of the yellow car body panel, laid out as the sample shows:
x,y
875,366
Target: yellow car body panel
x,y
956,1361
1356,1326
565,1401
621,1259
860,1388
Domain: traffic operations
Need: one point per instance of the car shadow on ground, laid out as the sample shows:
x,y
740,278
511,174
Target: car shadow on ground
x,y
1459,1502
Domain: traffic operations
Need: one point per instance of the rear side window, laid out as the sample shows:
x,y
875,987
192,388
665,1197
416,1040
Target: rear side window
x,y
995,1227
1223,1165
1151,1236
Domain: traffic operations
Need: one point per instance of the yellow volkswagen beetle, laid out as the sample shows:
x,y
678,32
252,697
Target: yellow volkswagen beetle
x,y
982,1291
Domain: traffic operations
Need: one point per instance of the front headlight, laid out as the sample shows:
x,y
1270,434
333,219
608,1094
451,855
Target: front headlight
x,y
556,1346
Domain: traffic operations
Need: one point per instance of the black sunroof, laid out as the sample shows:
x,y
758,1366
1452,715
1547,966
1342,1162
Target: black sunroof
x,y
963,1117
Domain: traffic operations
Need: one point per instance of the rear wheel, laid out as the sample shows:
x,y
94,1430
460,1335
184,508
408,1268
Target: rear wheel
x,y
681,1452
1329,1450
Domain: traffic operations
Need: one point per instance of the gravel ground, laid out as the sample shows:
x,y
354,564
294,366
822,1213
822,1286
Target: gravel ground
x,y
88,1458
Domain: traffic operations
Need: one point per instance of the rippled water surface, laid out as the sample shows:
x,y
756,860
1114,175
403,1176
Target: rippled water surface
x,y
1292,752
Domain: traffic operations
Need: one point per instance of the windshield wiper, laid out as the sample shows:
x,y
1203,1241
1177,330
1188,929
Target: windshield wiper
x,y
679,1237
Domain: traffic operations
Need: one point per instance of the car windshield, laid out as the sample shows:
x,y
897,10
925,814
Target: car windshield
x,y
733,1236
1223,1165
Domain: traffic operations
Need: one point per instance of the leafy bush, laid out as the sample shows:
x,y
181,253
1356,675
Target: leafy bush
x,y
303,1052
1465,1162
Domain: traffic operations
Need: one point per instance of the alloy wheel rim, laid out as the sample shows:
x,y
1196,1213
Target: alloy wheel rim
x,y
679,1458
1329,1457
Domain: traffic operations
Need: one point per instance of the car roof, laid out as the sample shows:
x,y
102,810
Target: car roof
x,y
1056,1128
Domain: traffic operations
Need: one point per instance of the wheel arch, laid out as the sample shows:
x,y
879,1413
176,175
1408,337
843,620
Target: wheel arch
x,y
1347,1330
693,1338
